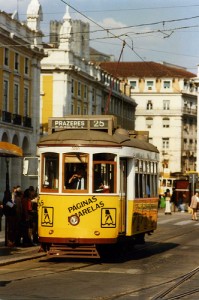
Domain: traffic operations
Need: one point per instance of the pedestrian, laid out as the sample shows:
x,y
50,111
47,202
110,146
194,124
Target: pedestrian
x,y
181,203
174,199
18,203
26,218
9,210
168,203
34,199
193,205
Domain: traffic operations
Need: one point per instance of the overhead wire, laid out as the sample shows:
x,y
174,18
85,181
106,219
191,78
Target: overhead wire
x,y
132,26
128,9
91,20
139,25
112,82
118,36
109,30
149,24
123,45
125,35
122,37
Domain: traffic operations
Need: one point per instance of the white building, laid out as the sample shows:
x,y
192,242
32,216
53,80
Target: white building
x,y
166,107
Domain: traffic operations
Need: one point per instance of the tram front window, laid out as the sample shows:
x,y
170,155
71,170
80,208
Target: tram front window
x,y
50,171
75,172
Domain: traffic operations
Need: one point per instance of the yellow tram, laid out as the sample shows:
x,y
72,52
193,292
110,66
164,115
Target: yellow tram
x,y
97,186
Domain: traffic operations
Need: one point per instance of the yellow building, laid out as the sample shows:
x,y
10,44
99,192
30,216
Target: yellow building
x,y
20,55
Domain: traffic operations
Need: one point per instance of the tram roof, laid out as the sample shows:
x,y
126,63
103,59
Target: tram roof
x,y
94,138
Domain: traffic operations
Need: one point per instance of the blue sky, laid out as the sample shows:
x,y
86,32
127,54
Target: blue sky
x,y
155,30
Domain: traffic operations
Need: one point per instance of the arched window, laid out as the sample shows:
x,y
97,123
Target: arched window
x,y
149,105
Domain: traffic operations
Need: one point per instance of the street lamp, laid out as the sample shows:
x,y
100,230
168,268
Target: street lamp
x,y
196,81
7,174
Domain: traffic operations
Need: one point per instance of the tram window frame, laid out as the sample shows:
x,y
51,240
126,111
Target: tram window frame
x,y
109,187
105,161
155,178
140,178
76,161
144,166
46,183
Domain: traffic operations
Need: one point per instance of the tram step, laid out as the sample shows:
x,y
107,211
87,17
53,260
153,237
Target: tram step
x,y
78,252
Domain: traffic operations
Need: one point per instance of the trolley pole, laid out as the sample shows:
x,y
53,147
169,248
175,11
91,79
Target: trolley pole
x,y
196,82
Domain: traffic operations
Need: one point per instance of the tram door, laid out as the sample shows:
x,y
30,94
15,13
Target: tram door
x,y
123,192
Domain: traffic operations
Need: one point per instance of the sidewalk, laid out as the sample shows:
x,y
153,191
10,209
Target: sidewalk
x,y
10,255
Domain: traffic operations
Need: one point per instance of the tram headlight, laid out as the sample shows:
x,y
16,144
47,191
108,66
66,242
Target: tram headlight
x,y
73,220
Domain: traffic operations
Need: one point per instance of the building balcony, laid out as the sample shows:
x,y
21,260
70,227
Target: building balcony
x,y
190,91
6,116
189,111
26,122
189,153
16,119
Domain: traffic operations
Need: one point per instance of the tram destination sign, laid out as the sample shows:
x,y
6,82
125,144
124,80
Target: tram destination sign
x,y
59,124
69,124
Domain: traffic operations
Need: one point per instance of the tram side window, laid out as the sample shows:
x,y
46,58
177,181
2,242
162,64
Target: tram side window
x,y
75,172
145,179
155,184
148,186
50,171
137,194
104,177
138,179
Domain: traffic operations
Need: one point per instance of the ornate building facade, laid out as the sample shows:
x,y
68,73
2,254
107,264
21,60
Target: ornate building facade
x,y
20,56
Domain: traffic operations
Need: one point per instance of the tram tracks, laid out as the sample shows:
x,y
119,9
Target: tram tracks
x,y
166,293
160,295
177,283
168,288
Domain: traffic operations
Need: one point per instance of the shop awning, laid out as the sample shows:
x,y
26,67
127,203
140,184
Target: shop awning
x,y
10,150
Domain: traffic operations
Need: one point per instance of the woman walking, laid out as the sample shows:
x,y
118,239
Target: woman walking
x,y
193,205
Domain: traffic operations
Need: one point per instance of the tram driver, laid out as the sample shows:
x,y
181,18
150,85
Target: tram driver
x,y
77,180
